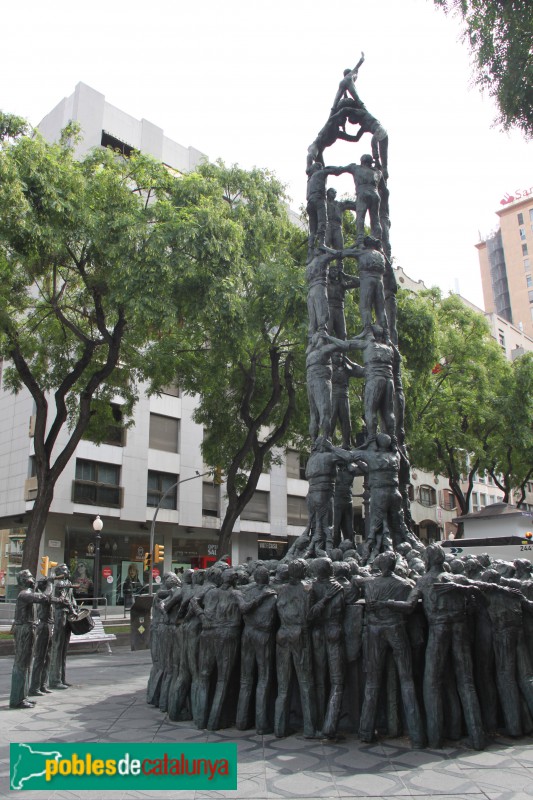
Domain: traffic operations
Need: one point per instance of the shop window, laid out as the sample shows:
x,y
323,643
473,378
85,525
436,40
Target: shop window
x,y
164,433
97,484
296,510
158,484
427,496
257,508
210,498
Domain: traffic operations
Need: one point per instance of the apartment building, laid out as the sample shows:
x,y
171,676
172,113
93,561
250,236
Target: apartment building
x,y
505,259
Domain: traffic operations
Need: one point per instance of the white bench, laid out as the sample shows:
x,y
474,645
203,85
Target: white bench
x,y
96,636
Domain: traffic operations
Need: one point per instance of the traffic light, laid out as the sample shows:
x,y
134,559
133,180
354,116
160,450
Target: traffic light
x,y
147,562
159,554
47,565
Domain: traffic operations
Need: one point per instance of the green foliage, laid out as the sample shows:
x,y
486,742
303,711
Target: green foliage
x,y
499,34
100,260
253,314
510,445
11,126
453,381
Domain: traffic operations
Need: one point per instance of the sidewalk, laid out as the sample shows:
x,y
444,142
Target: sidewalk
x,y
107,704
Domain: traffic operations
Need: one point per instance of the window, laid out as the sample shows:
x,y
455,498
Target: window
x,y
172,389
296,510
210,496
501,339
295,464
527,266
530,295
490,480
524,250
529,281
97,484
482,500
116,432
108,140
474,501
522,234
257,508
158,484
520,218
531,214
164,433
411,492
448,500
427,496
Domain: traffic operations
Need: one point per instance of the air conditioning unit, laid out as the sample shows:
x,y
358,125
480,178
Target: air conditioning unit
x,y
31,430
30,489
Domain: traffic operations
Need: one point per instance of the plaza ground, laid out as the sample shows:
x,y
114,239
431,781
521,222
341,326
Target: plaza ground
x,y
107,704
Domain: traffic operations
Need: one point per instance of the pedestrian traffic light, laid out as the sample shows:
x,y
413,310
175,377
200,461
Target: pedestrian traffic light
x,y
159,554
147,562
47,565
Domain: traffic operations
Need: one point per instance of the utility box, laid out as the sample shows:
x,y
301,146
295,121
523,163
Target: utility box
x,y
140,618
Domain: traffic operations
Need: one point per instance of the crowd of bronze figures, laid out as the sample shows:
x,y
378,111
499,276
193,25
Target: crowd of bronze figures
x,y
421,643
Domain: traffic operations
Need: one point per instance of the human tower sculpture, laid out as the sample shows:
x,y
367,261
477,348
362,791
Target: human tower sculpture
x,y
383,454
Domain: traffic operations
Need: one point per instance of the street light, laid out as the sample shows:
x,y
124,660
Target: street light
x,y
152,527
97,527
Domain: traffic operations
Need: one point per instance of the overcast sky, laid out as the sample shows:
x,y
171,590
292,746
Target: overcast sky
x,y
253,83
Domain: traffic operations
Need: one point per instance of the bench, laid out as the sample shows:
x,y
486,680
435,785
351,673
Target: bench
x,y
96,637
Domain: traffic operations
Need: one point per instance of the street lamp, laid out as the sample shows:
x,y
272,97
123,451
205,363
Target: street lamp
x,y
97,527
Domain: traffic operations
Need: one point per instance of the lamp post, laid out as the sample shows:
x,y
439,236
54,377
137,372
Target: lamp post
x,y
97,527
152,527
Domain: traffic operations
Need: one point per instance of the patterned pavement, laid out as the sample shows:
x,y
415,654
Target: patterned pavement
x,y
107,704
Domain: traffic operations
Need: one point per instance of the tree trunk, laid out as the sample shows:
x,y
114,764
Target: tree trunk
x,y
36,526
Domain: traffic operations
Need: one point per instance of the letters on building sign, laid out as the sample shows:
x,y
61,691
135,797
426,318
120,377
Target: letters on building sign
x,y
520,194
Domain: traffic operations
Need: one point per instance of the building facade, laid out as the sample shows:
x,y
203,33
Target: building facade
x,y
505,259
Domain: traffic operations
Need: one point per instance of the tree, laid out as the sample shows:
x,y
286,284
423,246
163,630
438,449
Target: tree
x,y
510,444
452,385
98,257
245,355
499,35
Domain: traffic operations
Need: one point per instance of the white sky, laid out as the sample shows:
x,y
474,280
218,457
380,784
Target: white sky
x,y
253,83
